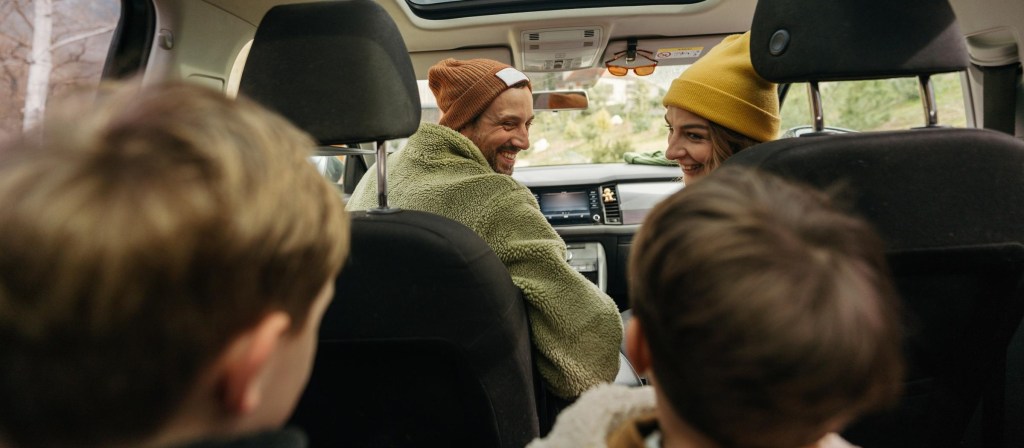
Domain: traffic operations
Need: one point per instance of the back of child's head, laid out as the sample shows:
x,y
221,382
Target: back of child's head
x,y
139,234
769,314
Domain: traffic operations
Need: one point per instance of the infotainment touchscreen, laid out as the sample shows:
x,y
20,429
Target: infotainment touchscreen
x,y
565,206
564,202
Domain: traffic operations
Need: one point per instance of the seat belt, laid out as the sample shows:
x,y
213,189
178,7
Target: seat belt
x,y
1000,96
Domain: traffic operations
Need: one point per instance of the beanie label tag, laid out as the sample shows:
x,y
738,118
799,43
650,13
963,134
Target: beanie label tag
x,y
511,76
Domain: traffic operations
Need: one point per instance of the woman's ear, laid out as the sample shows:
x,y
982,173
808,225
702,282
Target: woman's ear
x,y
637,351
245,360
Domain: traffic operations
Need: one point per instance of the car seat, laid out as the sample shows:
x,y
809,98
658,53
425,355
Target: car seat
x,y
949,204
426,342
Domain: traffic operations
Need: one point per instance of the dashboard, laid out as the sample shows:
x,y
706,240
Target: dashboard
x,y
598,194
597,208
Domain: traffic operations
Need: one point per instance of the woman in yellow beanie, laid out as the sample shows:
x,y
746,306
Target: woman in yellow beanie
x,y
718,107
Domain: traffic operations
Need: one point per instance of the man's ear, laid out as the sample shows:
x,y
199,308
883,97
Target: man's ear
x,y
637,351
246,359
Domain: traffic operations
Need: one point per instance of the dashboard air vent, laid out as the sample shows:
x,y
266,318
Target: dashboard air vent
x,y
610,202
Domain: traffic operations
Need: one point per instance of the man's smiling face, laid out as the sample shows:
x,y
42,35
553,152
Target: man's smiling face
x,y
503,129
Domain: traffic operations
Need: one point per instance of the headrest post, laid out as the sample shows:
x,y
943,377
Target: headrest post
x,y
382,175
816,113
931,114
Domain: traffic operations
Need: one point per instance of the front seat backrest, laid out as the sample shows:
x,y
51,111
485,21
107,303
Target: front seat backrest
x,y
948,202
426,342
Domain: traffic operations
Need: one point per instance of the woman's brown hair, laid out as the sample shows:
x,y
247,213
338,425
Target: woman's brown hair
x,y
724,144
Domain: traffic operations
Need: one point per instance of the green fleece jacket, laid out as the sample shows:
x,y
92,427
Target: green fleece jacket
x,y
575,327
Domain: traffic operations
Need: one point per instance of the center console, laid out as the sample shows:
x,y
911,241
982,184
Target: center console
x,y
596,209
589,259
583,205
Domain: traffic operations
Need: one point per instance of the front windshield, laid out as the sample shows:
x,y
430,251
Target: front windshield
x,y
626,118
625,115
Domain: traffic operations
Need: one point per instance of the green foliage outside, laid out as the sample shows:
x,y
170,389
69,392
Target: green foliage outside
x,y
612,125
605,131
876,105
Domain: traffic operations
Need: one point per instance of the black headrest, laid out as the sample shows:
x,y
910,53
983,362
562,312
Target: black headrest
x,y
339,70
925,188
815,40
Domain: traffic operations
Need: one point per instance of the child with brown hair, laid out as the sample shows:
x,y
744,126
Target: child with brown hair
x,y
165,258
763,317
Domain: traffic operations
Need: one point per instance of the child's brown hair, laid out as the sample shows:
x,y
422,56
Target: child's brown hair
x,y
768,313
138,235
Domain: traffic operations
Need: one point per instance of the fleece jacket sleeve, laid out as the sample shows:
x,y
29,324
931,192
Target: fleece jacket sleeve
x,y
576,328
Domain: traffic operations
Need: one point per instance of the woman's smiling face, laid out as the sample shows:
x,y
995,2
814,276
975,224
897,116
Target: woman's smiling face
x,y
689,142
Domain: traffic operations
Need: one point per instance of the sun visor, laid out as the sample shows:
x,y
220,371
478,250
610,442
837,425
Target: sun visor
x,y
672,51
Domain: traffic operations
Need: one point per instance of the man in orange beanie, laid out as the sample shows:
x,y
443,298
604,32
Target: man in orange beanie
x,y
461,169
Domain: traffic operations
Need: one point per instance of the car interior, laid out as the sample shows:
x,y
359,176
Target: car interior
x,y
410,355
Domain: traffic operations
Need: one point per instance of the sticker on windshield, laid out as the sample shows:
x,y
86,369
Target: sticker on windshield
x,y
678,52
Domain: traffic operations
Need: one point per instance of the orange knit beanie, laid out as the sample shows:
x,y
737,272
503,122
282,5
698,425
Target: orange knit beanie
x,y
464,89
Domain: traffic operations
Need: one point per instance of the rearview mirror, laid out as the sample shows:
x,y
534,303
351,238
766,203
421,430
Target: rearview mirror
x,y
561,100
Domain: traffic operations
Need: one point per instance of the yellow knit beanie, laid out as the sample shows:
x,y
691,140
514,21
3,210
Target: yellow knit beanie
x,y
723,88
465,88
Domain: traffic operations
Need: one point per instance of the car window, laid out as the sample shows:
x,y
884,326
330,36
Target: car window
x,y
626,115
876,105
47,49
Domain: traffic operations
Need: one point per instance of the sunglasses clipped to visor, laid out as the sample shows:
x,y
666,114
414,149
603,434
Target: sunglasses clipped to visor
x,y
622,62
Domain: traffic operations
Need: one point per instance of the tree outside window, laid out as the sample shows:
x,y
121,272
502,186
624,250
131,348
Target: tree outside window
x,y
48,48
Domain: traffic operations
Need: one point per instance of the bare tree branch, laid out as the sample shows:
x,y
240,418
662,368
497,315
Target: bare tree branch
x,y
71,57
13,39
14,55
12,78
13,33
21,13
82,36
